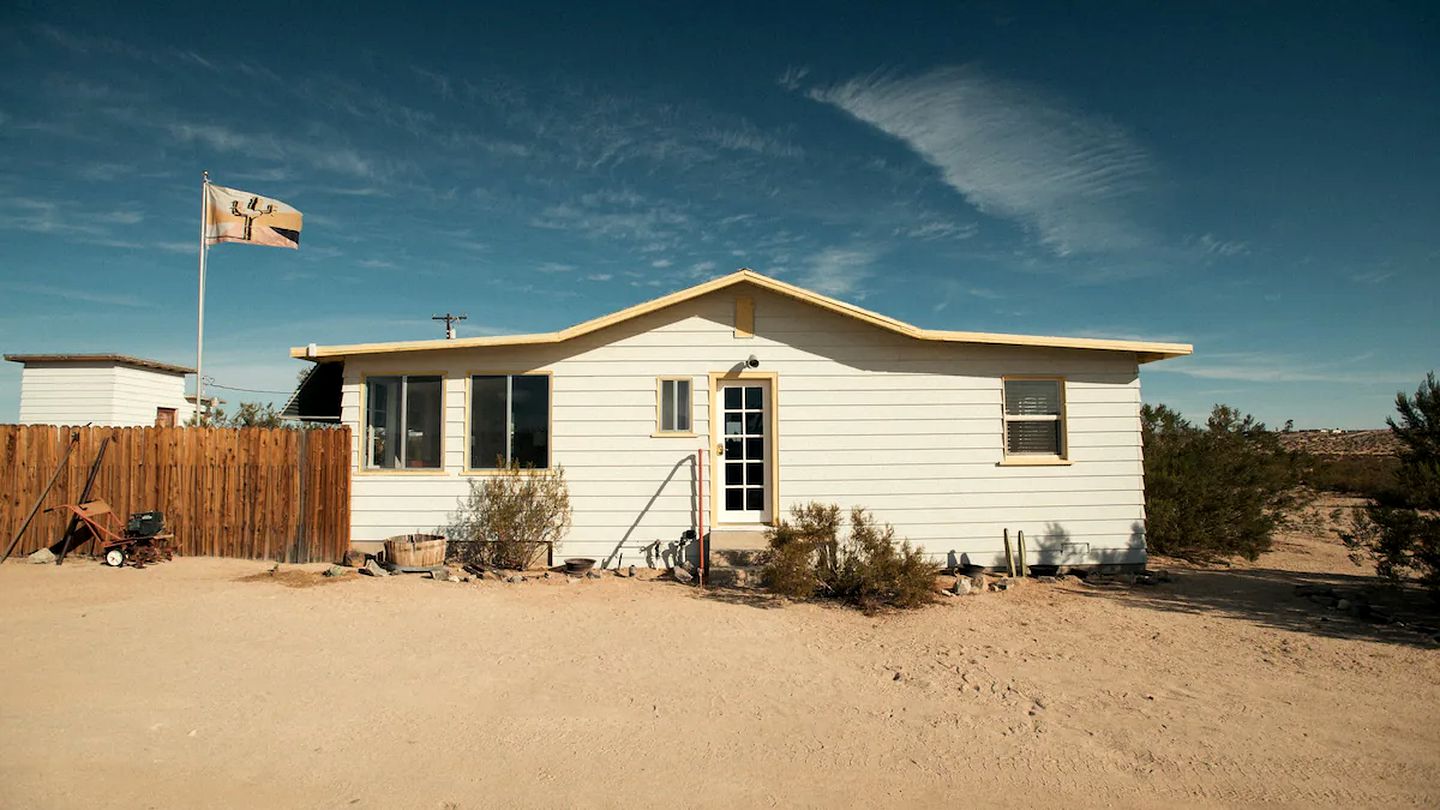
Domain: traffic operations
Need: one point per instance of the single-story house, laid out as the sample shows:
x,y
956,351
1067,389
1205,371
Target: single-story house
x,y
788,396
110,390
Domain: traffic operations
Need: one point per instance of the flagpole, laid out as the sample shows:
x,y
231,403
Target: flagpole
x,y
200,316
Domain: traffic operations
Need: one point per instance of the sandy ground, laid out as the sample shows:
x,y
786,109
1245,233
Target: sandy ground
x,y
188,685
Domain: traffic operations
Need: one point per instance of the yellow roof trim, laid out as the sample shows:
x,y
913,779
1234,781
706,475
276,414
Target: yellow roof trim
x,y
1146,351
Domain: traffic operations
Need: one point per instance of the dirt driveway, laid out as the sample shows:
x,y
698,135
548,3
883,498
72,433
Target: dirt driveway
x,y
187,685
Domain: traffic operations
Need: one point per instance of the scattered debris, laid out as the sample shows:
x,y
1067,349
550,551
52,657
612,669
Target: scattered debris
x,y
336,571
592,574
681,575
514,579
963,586
43,557
440,574
373,569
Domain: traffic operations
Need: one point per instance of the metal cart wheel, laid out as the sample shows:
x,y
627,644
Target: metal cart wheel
x,y
115,557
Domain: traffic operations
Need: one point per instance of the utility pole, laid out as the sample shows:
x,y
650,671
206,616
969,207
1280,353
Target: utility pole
x,y
450,321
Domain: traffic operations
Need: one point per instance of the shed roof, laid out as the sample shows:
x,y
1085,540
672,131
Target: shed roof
x,y
117,359
1145,351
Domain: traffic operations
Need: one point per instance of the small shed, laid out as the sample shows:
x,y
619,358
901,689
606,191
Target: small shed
x,y
112,390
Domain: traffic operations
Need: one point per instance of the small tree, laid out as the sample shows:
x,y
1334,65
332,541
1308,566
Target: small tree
x,y
1218,491
249,414
866,568
1405,539
510,518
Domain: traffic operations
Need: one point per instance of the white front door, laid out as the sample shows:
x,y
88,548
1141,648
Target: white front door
x,y
745,455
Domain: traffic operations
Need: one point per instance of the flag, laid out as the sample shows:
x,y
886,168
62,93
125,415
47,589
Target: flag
x,y
239,216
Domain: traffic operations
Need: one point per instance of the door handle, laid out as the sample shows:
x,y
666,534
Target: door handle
x,y
719,449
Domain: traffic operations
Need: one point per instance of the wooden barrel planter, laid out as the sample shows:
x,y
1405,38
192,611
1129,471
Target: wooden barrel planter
x,y
415,550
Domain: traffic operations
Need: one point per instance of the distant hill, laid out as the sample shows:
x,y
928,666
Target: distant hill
x,y
1342,443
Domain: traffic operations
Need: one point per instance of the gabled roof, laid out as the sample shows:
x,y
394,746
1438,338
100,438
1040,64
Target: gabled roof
x,y
117,359
1146,351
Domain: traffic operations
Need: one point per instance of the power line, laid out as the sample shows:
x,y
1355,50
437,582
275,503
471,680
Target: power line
x,y
247,390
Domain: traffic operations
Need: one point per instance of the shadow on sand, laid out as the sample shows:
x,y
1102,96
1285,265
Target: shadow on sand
x,y
1266,596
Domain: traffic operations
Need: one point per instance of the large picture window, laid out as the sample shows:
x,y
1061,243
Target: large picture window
x,y
1035,417
509,421
402,422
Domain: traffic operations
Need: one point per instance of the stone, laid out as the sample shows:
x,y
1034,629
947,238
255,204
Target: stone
x,y
977,582
963,587
42,557
440,574
1047,579
1343,604
514,579
681,575
336,570
373,569
354,558
592,574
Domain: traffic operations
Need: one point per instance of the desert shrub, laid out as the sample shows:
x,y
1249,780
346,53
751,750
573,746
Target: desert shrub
x,y
507,519
1368,476
1405,538
866,568
1218,491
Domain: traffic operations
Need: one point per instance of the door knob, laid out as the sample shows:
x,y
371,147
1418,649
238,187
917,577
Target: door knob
x,y
719,449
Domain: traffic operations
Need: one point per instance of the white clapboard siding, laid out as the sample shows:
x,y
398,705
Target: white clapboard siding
x,y
100,393
912,430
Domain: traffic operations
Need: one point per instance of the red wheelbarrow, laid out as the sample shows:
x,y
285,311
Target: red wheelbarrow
x,y
138,542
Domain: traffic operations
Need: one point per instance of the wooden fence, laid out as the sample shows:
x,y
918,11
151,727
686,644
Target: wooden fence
x,y
252,493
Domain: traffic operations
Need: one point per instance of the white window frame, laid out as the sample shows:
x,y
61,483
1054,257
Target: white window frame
x,y
1063,434
674,432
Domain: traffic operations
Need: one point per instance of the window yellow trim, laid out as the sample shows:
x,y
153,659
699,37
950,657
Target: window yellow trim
x,y
1144,351
360,447
1008,459
716,462
744,316
466,469
660,431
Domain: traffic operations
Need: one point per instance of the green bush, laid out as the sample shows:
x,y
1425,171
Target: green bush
x,y
1368,476
867,568
1405,538
1218,491
510,518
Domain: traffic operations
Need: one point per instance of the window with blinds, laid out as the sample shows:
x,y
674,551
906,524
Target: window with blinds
x,y
1034,417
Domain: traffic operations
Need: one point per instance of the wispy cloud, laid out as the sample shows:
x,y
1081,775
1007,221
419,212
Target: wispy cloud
x,y
85,295
1013,151
1210,245
839,271
599,277
1273,368
937,229
792,77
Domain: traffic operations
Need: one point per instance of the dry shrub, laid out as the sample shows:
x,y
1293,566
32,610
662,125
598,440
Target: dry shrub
x,y
867,568
509,518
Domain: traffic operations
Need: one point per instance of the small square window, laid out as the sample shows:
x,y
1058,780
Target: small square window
x,y
673,414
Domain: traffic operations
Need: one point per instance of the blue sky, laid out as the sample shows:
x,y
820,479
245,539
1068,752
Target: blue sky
x,y
1262,182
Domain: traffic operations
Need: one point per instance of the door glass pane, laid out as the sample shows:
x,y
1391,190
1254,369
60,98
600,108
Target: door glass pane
x,y
755,472
382,421
682,405
734,448
487,422
755,424
530,410
734,499
754,499
667,405
732,397
422,422
753,396
732,424
754,448
733,473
